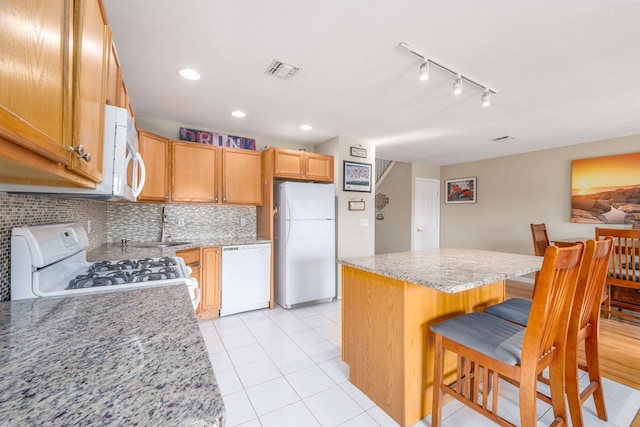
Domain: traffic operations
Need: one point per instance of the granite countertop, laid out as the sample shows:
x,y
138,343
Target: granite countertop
x,y
118,358
115,251
448,270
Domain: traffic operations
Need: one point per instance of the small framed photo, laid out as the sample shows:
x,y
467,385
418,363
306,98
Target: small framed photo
x,y
356,177
358,152
460,190
356,205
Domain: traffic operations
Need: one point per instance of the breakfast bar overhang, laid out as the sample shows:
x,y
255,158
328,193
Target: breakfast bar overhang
x,y
390,300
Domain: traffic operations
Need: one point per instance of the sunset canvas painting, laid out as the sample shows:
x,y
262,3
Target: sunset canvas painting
x,y
606,189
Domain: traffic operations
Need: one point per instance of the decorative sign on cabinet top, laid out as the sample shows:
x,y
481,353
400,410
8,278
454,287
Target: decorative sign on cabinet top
x,y
219,139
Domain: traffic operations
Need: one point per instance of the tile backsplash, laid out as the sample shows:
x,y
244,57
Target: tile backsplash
x,y
20,210
143,222
111,222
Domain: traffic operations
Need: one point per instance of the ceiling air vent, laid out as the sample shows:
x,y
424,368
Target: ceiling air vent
x,y
281,69
503,138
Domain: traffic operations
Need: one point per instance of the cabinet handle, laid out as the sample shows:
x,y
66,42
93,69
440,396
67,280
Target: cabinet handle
x,y
196,265
81,154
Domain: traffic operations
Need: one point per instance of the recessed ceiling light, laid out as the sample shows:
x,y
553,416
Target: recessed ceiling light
x,y
305,127
238,113
189,74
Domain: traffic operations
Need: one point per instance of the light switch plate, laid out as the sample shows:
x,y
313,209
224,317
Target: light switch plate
x,y
364,222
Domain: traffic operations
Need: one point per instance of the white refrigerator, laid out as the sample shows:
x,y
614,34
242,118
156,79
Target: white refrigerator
x,y
305,249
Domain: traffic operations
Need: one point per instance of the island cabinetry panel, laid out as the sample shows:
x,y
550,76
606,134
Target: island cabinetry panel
x,y
194,172
386,339
155,152
241,177
210,288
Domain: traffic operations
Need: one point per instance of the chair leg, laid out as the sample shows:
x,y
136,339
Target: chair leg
x,y
557,388
527,392
572,386
593,367
607,302
436,412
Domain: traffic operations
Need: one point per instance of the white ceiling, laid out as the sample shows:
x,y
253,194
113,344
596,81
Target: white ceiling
x,y
566,71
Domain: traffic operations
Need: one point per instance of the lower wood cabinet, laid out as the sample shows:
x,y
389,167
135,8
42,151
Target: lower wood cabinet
x,y
210,288
205,268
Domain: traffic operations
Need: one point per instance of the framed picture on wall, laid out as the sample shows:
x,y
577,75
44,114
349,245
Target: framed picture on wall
x,y
356,177
460,190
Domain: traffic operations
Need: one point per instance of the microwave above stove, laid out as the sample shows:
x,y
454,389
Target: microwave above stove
x,y
120,151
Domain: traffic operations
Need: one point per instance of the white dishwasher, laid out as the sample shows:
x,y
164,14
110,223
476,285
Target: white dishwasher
x,y
246,278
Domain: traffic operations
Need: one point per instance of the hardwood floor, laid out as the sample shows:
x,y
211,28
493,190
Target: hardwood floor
x,y
619,343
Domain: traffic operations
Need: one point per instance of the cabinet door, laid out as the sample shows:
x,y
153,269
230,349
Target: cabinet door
x,y
289,164
319,167
155,152
194,172
35,76
91,47
210,304
113,77
241,175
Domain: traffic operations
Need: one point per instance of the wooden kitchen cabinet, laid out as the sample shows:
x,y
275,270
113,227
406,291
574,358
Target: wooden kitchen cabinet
x,y
194,172
210,289
114,76
36,93
92,41
154,150
300,165
241,177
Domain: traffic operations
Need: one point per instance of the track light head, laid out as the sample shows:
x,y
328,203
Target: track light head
x,y
457,85
424,70
486,98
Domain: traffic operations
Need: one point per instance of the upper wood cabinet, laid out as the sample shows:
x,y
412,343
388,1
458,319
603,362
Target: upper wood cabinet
x,y
241,177
114,78
300,165
187,172
92,42
154,150
194,172
52,94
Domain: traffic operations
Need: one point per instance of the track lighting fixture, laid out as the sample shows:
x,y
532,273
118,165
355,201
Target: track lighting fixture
x,y
457,84
424,71
486,98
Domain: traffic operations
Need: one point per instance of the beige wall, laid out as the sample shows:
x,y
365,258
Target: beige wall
x,y
352,238
514,191
393,233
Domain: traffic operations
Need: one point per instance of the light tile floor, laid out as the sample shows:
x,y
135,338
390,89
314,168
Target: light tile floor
x,y
283,368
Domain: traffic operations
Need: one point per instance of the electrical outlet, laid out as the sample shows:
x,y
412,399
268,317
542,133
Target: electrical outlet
x,y
243,222
180,222
88,226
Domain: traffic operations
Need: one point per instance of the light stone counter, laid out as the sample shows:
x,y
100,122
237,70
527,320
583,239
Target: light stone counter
x,y
133,249
119,358
448,270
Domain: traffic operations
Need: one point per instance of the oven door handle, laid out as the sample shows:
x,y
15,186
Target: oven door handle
x,y
193,285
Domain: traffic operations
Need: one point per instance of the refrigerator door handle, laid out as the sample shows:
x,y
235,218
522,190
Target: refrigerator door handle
x,y
287,221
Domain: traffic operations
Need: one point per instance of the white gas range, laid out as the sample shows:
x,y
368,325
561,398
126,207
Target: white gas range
x,y
51,260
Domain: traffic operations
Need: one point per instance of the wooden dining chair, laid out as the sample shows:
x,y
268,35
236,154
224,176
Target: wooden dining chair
x,y
584,324
623,281
540,238
500,348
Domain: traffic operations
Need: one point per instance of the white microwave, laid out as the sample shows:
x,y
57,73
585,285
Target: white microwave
x,y
120,148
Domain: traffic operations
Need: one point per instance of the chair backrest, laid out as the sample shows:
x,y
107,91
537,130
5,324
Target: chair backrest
x,y
540,238
593,274
625,258
551,306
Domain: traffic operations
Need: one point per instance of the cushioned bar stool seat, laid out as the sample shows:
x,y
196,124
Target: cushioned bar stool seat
x,y
514,310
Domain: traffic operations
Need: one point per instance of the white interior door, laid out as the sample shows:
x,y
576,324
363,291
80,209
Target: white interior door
x,y
426,234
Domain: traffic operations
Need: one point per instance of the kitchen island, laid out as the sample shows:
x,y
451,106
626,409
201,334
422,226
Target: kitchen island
x,y
119,358
388,303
